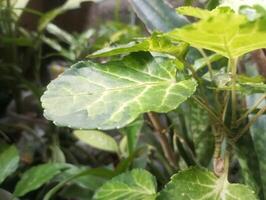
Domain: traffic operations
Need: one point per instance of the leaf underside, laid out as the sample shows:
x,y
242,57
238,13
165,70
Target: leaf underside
x,y
111,95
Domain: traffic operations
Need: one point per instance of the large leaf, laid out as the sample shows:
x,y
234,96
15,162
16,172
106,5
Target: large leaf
x,y
196,183
156,43
97,139
9,160
157,15
136,185
224,32
36,177
111,95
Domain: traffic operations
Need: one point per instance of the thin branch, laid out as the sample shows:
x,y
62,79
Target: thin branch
x,y
209,65
251,109
213,115
251,122
233,67
161,132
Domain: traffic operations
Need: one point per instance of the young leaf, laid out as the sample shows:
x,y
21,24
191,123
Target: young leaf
x,y
97,139
37,176
111,95
157,15
132,132
9,160
196,183
156,43
224,32
137,184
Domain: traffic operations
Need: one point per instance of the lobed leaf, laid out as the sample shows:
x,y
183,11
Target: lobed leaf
x,y
197,183
223,32
137,184
111,95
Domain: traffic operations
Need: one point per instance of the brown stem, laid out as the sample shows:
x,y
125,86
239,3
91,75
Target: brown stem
x,y
161,133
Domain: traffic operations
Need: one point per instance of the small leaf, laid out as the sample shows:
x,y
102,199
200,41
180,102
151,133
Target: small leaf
x,y
194,12
158,15
223,32
37,176
97,139
132,132
112,95
196,183
9,160
137,184
60,33
156,43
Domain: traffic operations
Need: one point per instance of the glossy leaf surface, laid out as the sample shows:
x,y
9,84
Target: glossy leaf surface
x,y
136,185
111,95
196,183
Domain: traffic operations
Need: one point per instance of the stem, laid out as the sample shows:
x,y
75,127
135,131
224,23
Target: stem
x,y
256,104
233,68
207,61
227,161
161,130
251,122
117,10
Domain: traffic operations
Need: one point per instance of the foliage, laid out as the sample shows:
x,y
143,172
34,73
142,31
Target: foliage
x,y
182,110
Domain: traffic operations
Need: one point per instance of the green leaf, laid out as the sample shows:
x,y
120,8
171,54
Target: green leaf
x,y
35,177
194,12
137,184
247,88
97,139
60,33
223,32
112,95
51,15
197,183
156,43
212,4
202,62
9,160
157,15
132,132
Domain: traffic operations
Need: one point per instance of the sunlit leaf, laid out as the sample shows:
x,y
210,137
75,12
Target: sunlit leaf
x,y
111,95
9,160
97,139
196,183
137,184
224,32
